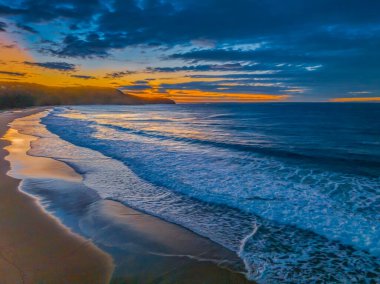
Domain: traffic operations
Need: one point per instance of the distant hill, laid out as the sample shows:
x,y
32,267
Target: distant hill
x,y
17,95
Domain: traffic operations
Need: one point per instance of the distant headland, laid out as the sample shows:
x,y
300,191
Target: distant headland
x,y
18,95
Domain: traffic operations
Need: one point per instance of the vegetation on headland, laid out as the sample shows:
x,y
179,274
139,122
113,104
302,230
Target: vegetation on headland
x,y
19,95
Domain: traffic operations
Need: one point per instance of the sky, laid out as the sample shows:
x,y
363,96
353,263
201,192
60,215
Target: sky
x,y
197,50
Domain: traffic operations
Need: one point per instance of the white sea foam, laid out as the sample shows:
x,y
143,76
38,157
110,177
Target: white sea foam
x,y
301,215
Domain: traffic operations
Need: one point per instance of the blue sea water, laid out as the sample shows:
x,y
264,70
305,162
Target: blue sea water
x,y
293,189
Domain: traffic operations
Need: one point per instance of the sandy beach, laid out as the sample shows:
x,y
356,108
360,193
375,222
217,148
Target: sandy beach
x,y
127,246
34,246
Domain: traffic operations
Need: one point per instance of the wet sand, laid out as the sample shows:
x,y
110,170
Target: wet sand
x,y
145,249
34,246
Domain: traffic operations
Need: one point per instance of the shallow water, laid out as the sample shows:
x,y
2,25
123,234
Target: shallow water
x,y
293,189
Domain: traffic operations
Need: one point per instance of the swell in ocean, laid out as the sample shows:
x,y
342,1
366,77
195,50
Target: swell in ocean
x,y
250,178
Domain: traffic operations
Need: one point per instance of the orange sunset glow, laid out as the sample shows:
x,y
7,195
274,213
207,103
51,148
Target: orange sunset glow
x,y
18,65
57,47
14,68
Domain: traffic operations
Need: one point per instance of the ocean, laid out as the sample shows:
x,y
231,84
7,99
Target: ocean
x,y
292,188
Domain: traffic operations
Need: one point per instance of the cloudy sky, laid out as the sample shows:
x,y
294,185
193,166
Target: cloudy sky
x,y
197,50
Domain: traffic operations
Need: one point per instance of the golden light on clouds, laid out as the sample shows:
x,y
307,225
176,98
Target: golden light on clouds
x,y
10,57
18,65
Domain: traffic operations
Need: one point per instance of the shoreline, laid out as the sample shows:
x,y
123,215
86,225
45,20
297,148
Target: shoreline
x,y
34,246
144,248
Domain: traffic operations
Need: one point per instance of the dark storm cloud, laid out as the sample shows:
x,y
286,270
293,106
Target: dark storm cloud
x,y
174,22
90,46
322,48
17,74
158,23
60,66
34,11
171,22
177,21
8,11
85,77
27,28
237,67
329,47
137,86
119,74
3,26
272,55
226,86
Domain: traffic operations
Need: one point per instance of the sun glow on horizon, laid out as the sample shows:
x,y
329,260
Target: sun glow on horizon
x,y
347,100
